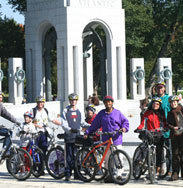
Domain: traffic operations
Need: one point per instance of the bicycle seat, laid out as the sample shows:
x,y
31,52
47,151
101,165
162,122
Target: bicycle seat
x,y
60,136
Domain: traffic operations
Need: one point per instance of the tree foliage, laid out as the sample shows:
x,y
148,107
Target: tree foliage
x,y
18,5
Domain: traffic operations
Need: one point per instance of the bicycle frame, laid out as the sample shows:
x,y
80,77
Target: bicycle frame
x,y
109,142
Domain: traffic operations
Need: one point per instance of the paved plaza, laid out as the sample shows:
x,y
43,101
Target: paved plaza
x,y
7,181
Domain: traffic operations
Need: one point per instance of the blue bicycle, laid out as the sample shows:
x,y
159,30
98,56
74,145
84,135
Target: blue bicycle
x,y
36,154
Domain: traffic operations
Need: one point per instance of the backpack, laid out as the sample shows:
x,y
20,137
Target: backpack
x,y
35,111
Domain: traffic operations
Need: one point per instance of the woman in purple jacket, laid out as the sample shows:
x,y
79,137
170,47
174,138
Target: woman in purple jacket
x,y
110,119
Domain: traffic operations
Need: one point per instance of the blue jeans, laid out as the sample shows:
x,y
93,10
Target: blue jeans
x,y
4,132
70,158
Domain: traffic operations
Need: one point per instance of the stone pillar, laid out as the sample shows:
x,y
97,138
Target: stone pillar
x,y
76,69
60,73
119,73
16,86
48,78
165,73
137,79
88,74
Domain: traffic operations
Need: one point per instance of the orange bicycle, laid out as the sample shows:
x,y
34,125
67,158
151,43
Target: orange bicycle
x,y
89,162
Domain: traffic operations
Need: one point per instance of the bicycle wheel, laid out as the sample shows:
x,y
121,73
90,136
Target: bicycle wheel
x,y
19,164
85,167
139,161
101,173
55,162
120,167
166,163
38,162
151,164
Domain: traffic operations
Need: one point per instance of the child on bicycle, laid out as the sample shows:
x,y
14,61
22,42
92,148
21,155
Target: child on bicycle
x,y
175,124
152,120
28,127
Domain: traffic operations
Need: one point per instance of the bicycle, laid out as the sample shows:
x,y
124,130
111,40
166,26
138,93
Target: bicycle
x,y
144,157
87,164
18,161
36,154
55,163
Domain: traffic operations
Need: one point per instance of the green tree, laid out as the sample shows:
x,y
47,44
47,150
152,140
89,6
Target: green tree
x,y
18,5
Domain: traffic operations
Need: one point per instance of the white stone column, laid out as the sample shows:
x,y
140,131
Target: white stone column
x,y
137,87
165,67
60,73
88,62
76,69
119,73
112,72
16,87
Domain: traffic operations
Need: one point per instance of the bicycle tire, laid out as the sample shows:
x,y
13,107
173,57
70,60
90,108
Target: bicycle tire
x,y
139,161
85,171
166,163
20,164
101,173
38,162
151,165
120,167
55,164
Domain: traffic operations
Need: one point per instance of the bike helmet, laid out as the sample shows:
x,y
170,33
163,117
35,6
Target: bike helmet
x,y
40,99
91,107
29,114
160,83
73,96
156,99
108,98
173,98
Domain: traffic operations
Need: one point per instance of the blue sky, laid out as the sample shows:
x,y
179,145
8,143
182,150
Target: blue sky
x,y
8,11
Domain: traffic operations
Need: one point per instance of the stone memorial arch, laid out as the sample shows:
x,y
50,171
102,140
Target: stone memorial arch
x,y
70,28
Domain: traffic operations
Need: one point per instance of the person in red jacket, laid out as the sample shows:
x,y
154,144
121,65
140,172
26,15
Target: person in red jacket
x,y
90,116
154,119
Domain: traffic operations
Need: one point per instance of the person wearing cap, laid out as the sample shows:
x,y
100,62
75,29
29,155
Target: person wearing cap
x,y
41,118
109,119
152,120
72,115
161,93
175,124
160,88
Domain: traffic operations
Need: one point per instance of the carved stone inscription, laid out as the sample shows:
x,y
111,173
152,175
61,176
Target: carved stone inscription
x,y
95,3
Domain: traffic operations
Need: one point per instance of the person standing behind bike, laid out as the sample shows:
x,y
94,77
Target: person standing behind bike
x,y
3,131
153,119
90,116
75,121
110,120
41,118
175,124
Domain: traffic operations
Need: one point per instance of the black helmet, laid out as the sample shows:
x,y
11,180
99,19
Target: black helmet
x,y
91,107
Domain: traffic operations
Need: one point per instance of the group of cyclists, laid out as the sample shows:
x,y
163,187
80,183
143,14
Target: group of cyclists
x,y
163,111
